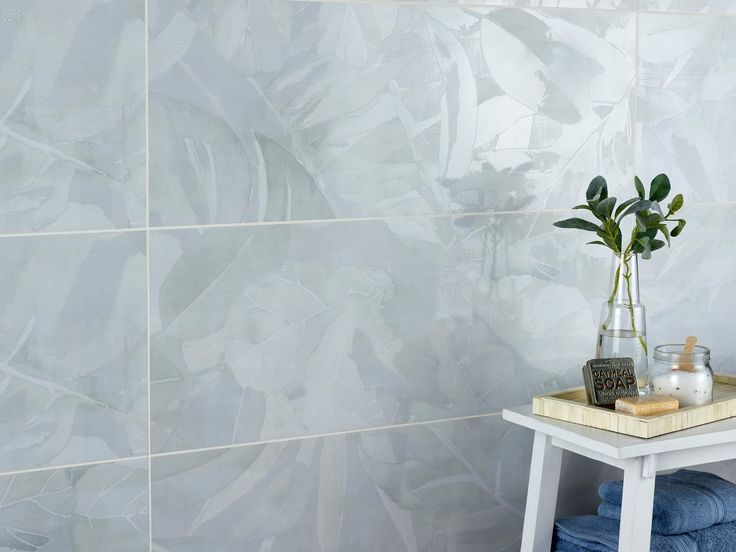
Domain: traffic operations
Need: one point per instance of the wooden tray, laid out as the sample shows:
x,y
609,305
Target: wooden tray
x,y
571,405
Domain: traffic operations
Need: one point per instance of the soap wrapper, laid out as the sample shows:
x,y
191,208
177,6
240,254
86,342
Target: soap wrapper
x,y
608,379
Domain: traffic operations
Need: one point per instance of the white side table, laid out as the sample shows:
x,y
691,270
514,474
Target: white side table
x,y
640,459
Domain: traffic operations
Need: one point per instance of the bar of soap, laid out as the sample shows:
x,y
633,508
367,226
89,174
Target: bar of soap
x,y
647,405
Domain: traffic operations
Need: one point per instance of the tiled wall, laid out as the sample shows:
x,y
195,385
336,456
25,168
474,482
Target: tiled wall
x,y
283,263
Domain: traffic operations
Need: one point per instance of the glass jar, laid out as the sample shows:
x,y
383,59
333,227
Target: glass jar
x,y
686,376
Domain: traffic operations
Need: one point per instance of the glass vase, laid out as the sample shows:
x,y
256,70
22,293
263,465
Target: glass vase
x,y
623,330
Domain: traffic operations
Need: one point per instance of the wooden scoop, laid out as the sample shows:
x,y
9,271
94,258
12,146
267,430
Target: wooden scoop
x,y
686,352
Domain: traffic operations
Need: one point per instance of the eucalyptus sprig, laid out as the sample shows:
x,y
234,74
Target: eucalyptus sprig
x,y
651,220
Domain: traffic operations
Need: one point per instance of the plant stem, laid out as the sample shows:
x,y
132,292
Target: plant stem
x,y
627,277
625,259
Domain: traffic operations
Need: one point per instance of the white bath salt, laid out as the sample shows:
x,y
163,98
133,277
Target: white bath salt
x,y
690,388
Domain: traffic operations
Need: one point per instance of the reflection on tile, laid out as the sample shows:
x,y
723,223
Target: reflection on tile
x,y
85,509
72,349
692,288
72,134
364,109
446,487
687,103
690,6
296,329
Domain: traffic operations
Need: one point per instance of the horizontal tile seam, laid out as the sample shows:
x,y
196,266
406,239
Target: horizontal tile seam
x,y
480,4
468,4
243,445
73,466
325,435
388,218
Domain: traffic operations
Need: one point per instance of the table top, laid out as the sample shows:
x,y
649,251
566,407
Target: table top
x,y
617,445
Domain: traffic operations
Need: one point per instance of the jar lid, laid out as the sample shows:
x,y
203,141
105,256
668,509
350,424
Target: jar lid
x,y
673,353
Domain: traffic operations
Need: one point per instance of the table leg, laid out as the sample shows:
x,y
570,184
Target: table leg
x,y
541,499
636,510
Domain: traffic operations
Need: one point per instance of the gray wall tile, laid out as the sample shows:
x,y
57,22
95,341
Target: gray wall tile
x,y
689,6
72,136
85,509
446,487
296,329
687,111
692,289
273,110
592,4
72,349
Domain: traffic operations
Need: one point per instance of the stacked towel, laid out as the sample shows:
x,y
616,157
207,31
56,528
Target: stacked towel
x,y
599,534
693,512
684,501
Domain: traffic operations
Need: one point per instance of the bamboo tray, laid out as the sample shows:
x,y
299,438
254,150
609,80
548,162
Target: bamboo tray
x,y
571,405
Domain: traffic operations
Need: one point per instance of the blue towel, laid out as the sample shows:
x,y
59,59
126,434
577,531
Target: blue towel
x,y
684,501
599,534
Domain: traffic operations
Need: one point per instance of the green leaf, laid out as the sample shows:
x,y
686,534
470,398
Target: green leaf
x,y
677,202
639,188
597,189
651,233
606,206
678,229
640,205
657,244
660,187
625,204
652,220
665,232
577,223
655,207
597,242
592,209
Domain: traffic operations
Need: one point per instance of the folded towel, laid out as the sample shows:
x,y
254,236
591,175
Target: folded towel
x,y
599,534
684,501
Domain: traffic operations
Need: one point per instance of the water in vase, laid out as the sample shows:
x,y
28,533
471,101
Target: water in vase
x,y
625,344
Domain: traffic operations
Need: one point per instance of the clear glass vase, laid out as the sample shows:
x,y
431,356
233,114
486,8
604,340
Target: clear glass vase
x,y
623,329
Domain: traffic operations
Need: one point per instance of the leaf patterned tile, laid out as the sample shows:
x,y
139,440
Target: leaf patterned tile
x,y
72,135
85,509
689,6
72,349
687,106
446,487
285,330
692,289
269,110
628,5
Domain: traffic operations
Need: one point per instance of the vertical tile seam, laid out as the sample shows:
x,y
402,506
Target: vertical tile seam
x,y
148,275
635,108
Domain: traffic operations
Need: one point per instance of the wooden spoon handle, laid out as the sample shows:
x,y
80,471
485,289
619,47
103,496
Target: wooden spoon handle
x,y
688,350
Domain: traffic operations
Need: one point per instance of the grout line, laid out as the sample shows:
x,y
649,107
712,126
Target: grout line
x,y
148,274
77,465
635,106
71,232
496,6
469,4
149,456
385,218
328,434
